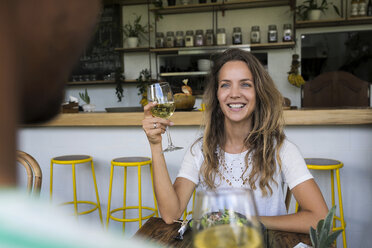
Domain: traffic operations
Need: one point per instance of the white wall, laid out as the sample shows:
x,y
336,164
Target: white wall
x,y
350,144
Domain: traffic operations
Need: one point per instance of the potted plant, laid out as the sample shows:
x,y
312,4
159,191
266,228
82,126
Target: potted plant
x,y
133,31
87,107
311,10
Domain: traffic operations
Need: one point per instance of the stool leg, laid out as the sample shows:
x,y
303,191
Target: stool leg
x,y
341,207
139,198
109,196
96,189
74,185
124,196
153,192
333,194
51,180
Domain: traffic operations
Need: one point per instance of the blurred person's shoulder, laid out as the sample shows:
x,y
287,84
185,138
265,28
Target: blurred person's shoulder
x,y
30,222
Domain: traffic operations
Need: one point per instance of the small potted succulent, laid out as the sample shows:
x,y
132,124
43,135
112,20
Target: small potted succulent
x,y
133,31
87,107
311,9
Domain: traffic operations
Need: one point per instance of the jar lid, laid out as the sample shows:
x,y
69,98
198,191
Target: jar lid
x,y
221,30
170,33
209,31
272,27
199,32
237,30
159,34
287,26
255,28
189,32
179,33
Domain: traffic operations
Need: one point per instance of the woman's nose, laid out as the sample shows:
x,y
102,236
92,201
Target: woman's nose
x,y
235,91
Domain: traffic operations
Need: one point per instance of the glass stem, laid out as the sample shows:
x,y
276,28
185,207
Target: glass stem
x,y
170,143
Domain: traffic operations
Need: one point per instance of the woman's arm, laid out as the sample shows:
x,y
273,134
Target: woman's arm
x,y
313,209
172,199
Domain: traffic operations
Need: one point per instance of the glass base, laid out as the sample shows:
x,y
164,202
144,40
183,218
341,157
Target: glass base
x,y
172,148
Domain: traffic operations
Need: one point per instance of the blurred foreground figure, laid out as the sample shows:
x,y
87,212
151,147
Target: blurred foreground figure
x,y
39,43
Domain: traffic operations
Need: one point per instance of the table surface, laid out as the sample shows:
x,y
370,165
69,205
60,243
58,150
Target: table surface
x,y
156,230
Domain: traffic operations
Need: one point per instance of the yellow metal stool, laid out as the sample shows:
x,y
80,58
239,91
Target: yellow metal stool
x,y
131,162
73,160
187,213
333,166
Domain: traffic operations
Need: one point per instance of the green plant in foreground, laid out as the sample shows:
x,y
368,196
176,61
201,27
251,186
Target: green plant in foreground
x,y
322,237
85,97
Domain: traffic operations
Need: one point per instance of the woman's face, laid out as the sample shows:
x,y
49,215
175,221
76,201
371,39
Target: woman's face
x,y
236,93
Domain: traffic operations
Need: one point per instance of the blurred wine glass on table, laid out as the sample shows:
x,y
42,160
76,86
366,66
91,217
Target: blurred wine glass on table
x,y
162,94
226,218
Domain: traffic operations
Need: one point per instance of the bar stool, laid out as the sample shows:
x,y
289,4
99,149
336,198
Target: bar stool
x,y
131,162
187,213
73,160
331,165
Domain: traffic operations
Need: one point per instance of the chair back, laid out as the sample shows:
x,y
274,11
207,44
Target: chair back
x,y
34,174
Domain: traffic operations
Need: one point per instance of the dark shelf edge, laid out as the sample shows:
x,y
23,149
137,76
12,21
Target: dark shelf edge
x,y
333,23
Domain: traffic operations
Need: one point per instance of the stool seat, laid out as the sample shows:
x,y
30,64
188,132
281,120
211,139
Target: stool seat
x,y
126,162
134,160
73,160
323,163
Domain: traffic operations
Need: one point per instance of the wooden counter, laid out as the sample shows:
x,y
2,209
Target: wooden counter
x,y
194,118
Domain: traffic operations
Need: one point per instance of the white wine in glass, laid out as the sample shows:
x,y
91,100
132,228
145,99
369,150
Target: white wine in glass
x,y
162,94
226,218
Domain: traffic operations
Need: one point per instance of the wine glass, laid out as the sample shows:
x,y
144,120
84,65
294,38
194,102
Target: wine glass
x,y
162,94
226,218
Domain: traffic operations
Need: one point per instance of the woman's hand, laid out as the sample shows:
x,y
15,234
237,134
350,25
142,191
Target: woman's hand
x,y
154,127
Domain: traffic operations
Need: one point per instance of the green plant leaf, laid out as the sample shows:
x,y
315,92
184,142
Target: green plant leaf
x,y
319,227
336,10
328,220
313,237
322,238
331,238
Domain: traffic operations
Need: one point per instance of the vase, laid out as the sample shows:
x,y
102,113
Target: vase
x,y
132,42
314,14
89,107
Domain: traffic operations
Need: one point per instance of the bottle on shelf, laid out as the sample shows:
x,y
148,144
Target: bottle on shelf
x,y
255,35
362,8
354,8
369,8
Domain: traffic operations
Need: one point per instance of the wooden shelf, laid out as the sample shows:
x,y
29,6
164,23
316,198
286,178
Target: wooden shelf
x,y
179,74
99,82
125,2
206,7
334,22
133,50
213,49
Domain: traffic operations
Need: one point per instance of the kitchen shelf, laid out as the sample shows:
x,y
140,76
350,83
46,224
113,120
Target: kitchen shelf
x,y
98,82
133,50
189,73
334,22
125,2
206,7
214,49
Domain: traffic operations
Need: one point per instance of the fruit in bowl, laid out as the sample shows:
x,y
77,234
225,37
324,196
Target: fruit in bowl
x,y
184,100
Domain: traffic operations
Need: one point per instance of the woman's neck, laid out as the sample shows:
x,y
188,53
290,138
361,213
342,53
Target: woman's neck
x,y
236,134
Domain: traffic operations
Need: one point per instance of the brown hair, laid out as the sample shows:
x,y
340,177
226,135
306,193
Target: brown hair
x,y
266,137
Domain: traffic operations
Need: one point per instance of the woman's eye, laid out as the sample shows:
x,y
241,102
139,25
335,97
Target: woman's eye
x,y
224,85
246,84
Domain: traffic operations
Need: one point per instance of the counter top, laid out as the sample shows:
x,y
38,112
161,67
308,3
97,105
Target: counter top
x,y
357,116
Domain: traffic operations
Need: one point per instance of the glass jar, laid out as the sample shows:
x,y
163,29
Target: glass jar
x,y
189,38
221,37
272,35
169,40
209,37
237,37
255,35
180,40
287,32
159,41
199,38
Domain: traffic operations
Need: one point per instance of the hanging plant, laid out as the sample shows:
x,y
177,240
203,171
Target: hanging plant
x,y
119,78
143,81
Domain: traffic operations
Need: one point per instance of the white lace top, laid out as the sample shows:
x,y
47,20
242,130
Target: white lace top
x,y
232,166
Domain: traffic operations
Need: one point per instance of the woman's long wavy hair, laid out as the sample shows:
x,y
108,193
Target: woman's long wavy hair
x,y
266,137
